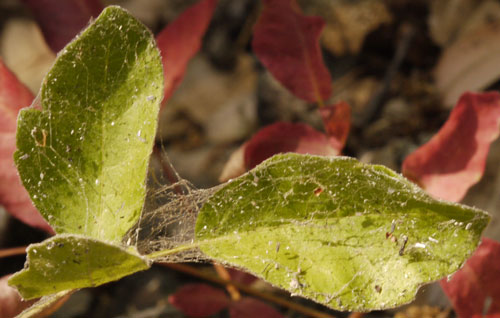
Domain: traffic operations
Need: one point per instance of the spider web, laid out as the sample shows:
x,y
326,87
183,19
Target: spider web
x,y
169,215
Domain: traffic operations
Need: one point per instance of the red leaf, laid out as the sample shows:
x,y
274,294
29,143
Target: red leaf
x,y
13,96
251,308
277,138
337,123
199,300
61,21
454,159
286,137
287,43
180,40
11,302
241,277
475,289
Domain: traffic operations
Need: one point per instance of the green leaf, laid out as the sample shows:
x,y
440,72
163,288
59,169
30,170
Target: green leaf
x,y
83,158
66,262
321,228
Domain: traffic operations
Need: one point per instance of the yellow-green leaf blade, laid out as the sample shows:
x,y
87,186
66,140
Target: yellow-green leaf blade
x,y
349,235
66,262
83,158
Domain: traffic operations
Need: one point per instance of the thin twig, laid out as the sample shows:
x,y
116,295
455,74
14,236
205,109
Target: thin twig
x,y
248,290
15,251
224,274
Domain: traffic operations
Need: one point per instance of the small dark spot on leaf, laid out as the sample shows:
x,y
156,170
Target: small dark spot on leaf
x,y
393,238
402,249
318,191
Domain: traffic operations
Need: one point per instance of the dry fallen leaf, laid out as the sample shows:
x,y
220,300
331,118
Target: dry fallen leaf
x,y
347,22
447,17
25,52
471,63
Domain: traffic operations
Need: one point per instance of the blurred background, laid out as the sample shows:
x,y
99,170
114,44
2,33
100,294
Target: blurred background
x,y
400,64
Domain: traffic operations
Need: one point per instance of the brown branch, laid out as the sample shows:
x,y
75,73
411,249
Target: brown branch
x,y
15,251
224,274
